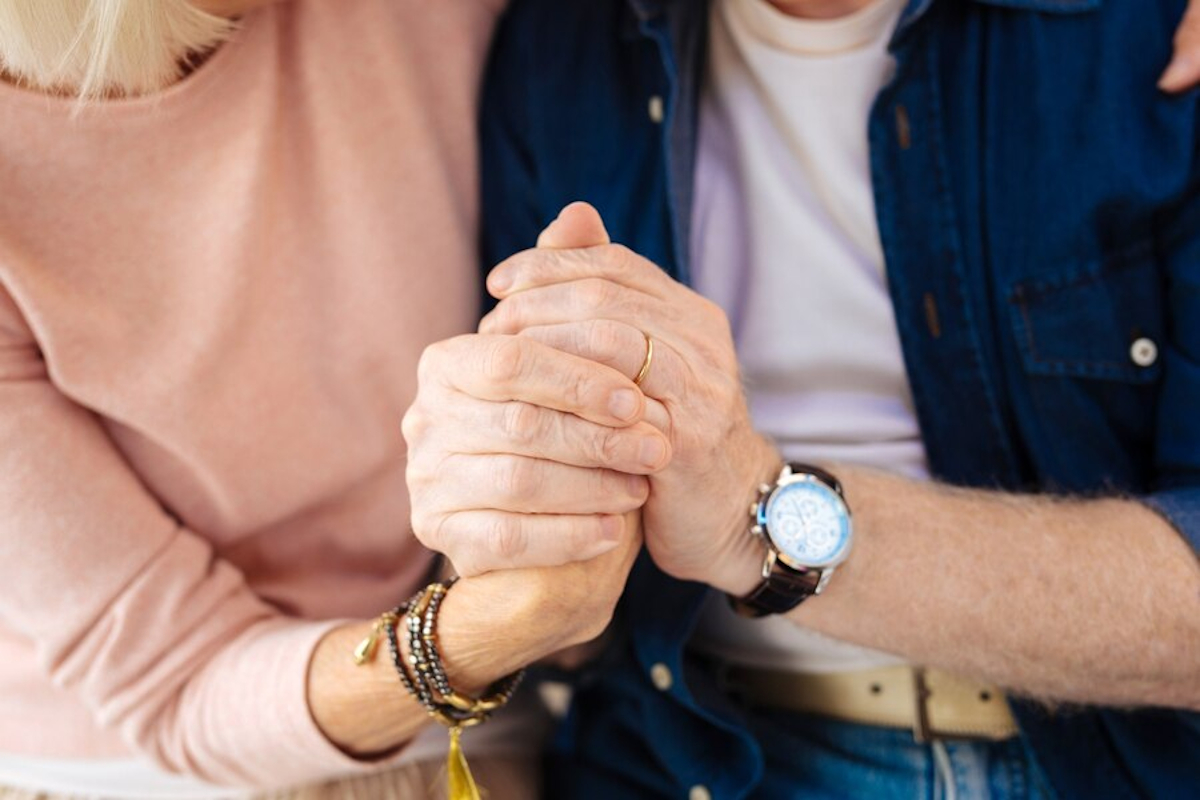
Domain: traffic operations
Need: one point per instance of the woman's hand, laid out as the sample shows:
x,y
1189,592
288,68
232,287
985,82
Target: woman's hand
x,y
541,611
513,455
598,303
489,626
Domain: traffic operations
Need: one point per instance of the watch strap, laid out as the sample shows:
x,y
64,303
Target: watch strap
x,y
824,476
782,589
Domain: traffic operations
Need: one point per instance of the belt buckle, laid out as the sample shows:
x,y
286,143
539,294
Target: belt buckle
x,y
922,732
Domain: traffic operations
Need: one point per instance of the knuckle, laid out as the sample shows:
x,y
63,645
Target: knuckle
x,y
619,252
504,315
606,448
577,390
506,537
444,539
617,259
621,259
518,479
595,292
414,424
435,531
604,339
522,423
504,361
417,474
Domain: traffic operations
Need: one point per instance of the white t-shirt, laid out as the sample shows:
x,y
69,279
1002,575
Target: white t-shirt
x,y
786,241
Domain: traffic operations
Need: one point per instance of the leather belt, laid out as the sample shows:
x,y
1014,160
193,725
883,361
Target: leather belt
x,y
933,704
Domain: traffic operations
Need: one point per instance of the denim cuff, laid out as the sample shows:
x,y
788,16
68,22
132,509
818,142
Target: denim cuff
x,y
1180,507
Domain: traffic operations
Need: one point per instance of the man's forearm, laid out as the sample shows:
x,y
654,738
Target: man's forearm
x,y
1093,601
1081,600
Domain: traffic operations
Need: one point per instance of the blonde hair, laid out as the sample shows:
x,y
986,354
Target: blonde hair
x,y
100,48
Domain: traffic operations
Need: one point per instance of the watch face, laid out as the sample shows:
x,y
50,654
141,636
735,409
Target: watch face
x,y
808,522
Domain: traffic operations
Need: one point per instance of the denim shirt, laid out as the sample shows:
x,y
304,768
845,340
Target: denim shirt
x,y
1039,206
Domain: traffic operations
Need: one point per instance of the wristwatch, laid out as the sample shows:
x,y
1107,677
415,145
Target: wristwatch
x,y
805,523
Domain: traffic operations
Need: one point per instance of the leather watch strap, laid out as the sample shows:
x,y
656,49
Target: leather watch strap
x,y
824,476
782,590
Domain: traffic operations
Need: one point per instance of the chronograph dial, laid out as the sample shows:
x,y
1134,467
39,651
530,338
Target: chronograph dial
x,y
808,522
805,523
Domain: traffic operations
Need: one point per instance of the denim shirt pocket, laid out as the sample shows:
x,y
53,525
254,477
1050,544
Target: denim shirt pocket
x,y
1092,339
1101,320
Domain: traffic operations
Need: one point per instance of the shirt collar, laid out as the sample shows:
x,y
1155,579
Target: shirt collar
x,y
643,12
646,9
1050,6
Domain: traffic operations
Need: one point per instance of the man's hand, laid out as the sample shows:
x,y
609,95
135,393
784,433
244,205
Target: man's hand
x,y
599,303
1184,70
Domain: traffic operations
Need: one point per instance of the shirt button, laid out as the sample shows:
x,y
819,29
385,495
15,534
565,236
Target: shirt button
x,y
661,677
1144,352
655,109
903,128
699,792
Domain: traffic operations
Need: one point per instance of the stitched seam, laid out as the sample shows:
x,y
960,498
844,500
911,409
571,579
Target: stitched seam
x,y
1080,367
1134,256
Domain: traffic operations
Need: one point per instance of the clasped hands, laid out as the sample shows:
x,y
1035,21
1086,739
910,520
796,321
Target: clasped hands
x,y
531,447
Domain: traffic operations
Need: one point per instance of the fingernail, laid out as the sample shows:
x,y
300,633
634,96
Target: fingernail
x,y
1177,73
623,404
611,528
652,451
636,484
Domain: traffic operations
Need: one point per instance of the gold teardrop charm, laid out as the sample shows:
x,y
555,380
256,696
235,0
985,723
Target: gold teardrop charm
x,y
462,783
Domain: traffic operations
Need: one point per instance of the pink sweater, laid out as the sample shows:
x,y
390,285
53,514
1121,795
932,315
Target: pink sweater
x,y
212,303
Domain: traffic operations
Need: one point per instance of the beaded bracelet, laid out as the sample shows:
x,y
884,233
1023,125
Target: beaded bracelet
x,y
423,666
427,680
428,667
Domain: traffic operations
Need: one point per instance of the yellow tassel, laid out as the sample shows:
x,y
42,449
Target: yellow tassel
x,y
462,784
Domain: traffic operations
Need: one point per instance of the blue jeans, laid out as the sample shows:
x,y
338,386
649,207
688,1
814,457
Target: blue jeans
x,y
818,759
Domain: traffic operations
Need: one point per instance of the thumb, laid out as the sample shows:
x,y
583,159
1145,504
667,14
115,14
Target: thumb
x,y
1184,70
578,225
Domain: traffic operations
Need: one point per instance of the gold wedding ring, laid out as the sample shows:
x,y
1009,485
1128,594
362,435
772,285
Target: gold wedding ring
x,y
645,370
